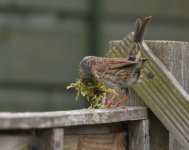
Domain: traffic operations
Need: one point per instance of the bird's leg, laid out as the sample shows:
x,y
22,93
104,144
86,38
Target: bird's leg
x,y
123,99
109,103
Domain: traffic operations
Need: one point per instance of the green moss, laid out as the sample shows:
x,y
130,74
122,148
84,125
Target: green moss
x,y
92,90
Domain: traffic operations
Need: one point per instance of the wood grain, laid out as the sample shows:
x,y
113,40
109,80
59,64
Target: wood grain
x,y
116,141
30,120
163,94
175,57
139,135
159,135
51,139
48,139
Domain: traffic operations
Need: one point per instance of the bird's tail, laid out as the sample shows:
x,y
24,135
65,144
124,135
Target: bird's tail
x,y
140,27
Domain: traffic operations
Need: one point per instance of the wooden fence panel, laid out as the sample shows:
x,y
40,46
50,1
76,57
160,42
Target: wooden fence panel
x,y
175,57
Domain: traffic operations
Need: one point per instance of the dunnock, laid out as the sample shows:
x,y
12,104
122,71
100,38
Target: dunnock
x,y
117,73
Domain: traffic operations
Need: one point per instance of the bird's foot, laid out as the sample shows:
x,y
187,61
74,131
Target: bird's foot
x,y
123,107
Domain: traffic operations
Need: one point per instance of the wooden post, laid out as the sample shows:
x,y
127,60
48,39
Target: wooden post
x,y
139,135
159,135
51,139
175,57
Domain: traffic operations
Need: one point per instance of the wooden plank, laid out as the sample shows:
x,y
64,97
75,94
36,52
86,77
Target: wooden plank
x,y
179,68
139,135
115,141
106,136
159,135
29,120
164,54
50,139
163,94
106,128
174,56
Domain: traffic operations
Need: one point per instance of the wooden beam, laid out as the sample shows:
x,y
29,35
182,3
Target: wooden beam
x,y
139,135
159,135
48,139
162,93
30,120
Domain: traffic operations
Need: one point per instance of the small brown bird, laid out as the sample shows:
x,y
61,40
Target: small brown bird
x,y
117,73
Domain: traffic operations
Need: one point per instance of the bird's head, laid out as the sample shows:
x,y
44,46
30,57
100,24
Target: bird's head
x,y
85,66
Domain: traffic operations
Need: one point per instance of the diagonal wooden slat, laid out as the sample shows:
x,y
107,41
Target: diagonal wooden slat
x,y
162,93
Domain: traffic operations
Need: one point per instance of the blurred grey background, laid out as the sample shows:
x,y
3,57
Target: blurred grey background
x,y
42,42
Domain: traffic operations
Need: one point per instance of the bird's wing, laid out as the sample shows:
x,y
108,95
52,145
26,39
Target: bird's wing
x,y
107,70
115,63
125,64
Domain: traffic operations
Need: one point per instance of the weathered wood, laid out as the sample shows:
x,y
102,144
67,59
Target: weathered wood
x,y
174,144
175,57
163,94
50,139
139,135
159,135
31,120
114,141
106,128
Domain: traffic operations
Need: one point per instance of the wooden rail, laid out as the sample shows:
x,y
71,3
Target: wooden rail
x,y
84,129
30,120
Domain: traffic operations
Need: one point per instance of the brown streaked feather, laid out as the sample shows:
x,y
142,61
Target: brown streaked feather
x,y
138,24
122,65
140,27
103,64
143,28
